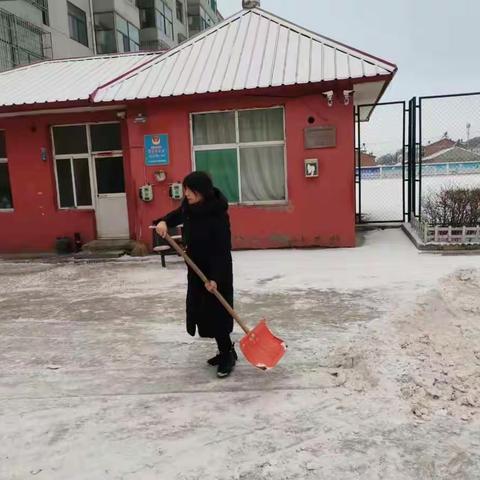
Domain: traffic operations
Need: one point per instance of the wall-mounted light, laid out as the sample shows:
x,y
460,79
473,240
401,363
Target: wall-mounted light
x,y
347,94
329,95
43,154
140,118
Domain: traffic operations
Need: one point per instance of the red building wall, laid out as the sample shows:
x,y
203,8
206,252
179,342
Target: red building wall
x,y
36,220
320,211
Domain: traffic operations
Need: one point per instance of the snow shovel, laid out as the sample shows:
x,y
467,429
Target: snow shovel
x,y
259,346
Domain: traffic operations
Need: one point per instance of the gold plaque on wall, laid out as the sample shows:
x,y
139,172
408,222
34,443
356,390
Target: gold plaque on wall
x,y
320,137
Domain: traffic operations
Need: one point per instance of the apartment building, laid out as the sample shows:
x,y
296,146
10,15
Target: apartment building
x,y
35,30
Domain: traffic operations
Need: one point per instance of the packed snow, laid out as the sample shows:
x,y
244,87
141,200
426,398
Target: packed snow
x,y
99,380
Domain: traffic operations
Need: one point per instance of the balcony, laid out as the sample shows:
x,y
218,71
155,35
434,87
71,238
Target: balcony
x,y
22,42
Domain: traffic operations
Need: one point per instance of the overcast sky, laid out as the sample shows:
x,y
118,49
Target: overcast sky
x,y
434,43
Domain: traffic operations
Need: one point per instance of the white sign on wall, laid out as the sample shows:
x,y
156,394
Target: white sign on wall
x,y
311,168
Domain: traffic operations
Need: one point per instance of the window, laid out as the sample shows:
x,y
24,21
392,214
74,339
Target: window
x,y
180,15
147,18
77,24
161,18
205,20
45,16
110,178
244,152
114,34
73,177
6,202
128,38
106,137
75,147
168,20
69,140
105,33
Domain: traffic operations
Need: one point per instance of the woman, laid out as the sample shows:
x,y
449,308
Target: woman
x,y
207,237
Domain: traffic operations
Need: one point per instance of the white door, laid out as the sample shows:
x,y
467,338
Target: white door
x,y
111,201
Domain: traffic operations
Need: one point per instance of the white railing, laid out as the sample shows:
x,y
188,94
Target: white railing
x,y
446,235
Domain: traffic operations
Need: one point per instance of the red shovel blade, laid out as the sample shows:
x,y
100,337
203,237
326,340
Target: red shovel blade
x,y
261,348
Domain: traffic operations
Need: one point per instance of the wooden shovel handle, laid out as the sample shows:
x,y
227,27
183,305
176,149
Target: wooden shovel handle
x,y
204,279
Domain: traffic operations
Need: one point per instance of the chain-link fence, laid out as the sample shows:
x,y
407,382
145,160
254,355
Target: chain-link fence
x,y
449,160
380,163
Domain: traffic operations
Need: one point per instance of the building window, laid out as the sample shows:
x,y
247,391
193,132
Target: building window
x,y
200,22
105,33
147,18
128,38
75,149
181,38
244,152
77,24
180,14
114,34
161,18
6,202
166,18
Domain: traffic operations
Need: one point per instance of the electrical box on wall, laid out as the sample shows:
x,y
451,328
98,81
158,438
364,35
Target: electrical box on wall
x,y
176,191
146,193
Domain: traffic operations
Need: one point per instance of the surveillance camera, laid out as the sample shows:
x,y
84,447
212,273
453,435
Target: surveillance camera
x,y
329,94
346,96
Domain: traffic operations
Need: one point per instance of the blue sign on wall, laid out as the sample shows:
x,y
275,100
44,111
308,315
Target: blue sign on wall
x,y
156,150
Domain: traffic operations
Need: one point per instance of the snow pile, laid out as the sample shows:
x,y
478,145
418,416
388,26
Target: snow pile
x,y
441,342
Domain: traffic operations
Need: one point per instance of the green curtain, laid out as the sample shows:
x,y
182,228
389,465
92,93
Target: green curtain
x,y
223,168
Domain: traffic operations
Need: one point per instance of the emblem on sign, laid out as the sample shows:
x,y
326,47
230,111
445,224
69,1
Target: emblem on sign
x,y
156,150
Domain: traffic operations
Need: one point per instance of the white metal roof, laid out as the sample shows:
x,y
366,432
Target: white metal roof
x,y
252,49
65,80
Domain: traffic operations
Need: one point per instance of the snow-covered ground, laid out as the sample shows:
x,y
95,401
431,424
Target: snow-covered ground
x,y
98,379
382,198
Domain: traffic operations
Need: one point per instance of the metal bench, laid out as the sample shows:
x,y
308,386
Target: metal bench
x,y
162,247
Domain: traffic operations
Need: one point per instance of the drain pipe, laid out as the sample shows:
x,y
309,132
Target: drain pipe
x,y
92,20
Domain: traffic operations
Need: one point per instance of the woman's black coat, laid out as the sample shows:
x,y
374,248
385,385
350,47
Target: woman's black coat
x,y
207,236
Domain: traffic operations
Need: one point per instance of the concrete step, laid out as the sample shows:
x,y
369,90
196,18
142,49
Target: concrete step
x,y
99,254
115,248
106,245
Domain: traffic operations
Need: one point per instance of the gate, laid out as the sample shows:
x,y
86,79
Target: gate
x,y
381,167
406,154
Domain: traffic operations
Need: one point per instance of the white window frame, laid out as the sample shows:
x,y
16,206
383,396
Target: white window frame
x,y
5,160
90,155
237,146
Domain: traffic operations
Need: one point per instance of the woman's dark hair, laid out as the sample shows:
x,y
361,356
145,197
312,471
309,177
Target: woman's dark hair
x,y
199,182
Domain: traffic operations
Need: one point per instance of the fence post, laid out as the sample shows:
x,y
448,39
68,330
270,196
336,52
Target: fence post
x,y
464,235
425,232
436,233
